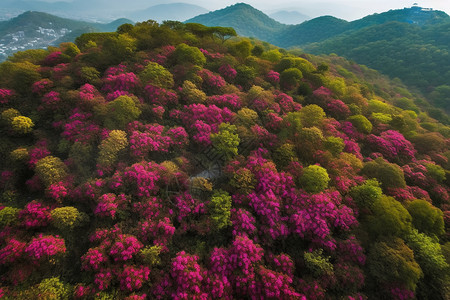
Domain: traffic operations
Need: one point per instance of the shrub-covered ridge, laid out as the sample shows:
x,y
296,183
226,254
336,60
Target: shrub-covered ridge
x,y
166,161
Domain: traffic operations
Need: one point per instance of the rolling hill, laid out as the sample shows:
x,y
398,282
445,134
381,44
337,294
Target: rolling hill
x,y
246,20
412,44
38,30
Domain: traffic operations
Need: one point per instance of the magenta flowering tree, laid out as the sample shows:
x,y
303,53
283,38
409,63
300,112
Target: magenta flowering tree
x,y
41,87
50,101
121,82
159,95
393,145
6,96
12,251
145,139
273,77
228,72
80,128
232,101
211,82
44,247
287,103
187,276
35,215
338,109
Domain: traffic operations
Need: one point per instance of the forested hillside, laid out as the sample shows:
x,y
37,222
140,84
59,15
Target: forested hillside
x,y
176,161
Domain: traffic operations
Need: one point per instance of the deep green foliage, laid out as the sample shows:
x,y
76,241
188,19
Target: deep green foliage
x,y
426,218
393,262
389,175
389,218
314,179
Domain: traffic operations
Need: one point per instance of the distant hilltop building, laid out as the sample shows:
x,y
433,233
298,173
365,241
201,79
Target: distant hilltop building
x,y
418,8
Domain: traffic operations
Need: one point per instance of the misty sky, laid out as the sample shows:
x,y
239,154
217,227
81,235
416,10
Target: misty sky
x,y
346,9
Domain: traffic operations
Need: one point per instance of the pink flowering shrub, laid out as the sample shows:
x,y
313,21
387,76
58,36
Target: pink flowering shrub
x,y
211,81
273,77
6,96
187,275
145,139
132,278
227,72
35,215
57,191
12,251
42,86
121,82
94,259
158,95
80,128
125,247
45,246
393,145
231,101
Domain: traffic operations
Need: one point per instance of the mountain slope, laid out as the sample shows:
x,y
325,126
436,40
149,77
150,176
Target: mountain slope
x,y
420,56
171,11
246,20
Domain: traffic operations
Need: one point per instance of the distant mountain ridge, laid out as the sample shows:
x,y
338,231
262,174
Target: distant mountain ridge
x,y
170,11
289,17
246,20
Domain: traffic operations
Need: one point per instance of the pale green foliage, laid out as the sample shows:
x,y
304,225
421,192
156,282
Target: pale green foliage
x,y
376,106
366,194
247,116
187,54
8,215
337,86
192,94
427,218
226,140
393,261
156,74
361,123
272,55
382,118
150,255
219,208
428,253
314,179
53,289
120,112
19,154
389,218
317,263
22,125
334,144
110,148
9,114
50,170
311,115
67,218
436,172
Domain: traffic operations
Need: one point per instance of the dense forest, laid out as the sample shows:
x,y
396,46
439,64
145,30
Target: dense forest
x,y
178,161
